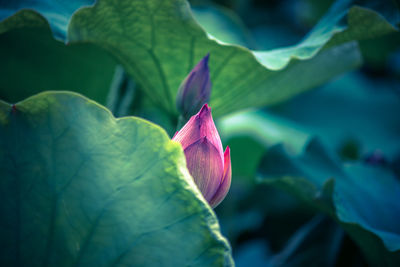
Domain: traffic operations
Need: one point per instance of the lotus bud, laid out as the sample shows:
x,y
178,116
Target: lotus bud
x,y
209,166
195,89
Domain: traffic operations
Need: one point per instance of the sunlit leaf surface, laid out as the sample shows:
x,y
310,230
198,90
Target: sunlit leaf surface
x,y
81,188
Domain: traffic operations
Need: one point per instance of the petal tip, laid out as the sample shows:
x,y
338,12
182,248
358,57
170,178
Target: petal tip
x,y
206,58
227,151
202,65
205,110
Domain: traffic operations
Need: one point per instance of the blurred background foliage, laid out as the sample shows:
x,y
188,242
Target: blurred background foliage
x,y
355,115
294,162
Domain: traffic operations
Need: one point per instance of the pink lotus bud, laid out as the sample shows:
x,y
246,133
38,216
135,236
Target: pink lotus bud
x,y
195,89
208,165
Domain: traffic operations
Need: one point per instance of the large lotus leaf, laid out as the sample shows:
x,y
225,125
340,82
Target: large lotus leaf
x,y
362,198
81,188
32,62
158,42
159,50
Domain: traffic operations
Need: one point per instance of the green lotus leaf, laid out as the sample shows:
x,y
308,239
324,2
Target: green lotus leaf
x,y
81,188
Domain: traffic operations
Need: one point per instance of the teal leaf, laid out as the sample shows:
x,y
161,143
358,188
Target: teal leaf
x,y
330,31
81,188
354,108
158,43
374,205
363,199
